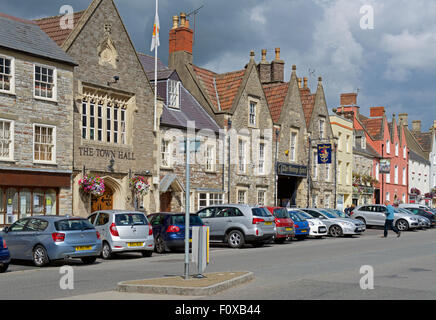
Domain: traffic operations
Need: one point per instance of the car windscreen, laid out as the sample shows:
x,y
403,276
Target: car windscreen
x,y
73,225
180,220
305,215
281,213
328,214
295,216
130,219
261,212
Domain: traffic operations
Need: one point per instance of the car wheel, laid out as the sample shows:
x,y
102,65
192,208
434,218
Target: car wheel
x,y
235,239
88,260
147,253
280,240
159,245
106,251
335,231
402,225
4,267
40,257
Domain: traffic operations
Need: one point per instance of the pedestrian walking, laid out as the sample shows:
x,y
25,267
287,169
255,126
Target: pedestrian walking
x,y
347,210
389,222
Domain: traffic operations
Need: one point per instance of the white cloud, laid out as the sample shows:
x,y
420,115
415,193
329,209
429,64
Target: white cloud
x,y
257,14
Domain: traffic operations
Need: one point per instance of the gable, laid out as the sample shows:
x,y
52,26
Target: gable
x,y
275,94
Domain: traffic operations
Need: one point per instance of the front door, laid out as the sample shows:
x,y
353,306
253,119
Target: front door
x,y
104,202
165,202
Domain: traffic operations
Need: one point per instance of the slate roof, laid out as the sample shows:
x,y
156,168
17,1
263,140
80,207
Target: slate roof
x,y
52,27
26,36
190,109
416,157
221,88
275,94
308,103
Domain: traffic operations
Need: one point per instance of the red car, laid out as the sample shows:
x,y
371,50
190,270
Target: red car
x,y
284,224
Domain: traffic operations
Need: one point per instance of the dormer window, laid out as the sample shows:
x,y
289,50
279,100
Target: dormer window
x,y
173,94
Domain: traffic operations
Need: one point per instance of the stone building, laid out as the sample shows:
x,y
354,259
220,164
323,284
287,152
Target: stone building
x,y
237,102
182,114
322,183
344,133
114,133
287,112
36,122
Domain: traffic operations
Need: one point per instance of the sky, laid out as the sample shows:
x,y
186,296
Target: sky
x,y
388,58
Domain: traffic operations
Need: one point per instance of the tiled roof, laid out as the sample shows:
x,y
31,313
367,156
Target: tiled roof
x,y
52,27
148,63
27,36
424,139
226,84
374,127
308,103
275,95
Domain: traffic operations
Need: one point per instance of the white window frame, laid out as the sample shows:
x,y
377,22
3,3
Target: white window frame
x,y
12,74
53,161
293,147
11,138
377,171
404,152
54,98
388,177
259,192
167,153
396,149
173,94
404,176
209,158
238,193
210,199
242,163
396,174
252,114
388,147
262,158
347,148
363,142
388,196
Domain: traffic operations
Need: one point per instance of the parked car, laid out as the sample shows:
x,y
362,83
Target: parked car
x,y
237,224
337,227
169,230
5,257
375,215
46,238
423,213
284,224
338,213
123,231
414,205
301,225
318,229
422,220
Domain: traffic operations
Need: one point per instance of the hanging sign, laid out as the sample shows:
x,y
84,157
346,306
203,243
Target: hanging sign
x,y
324,153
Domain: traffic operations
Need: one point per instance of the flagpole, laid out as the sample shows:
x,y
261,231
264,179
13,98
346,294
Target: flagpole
x,y
155,75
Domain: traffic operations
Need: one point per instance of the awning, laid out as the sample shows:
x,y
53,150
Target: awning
x,y
170,180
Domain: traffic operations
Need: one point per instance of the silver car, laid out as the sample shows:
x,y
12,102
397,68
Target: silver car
x,y
237,224
123,231
375,215
423,221
336,226
46,238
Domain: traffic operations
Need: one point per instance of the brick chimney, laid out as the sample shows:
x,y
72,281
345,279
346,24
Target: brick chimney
x,y
348,99
403,118
416,125
264,69
180,41
277,68
376,111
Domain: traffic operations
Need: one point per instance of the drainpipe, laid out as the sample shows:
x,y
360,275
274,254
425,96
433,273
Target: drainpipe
x,y
275,168
229,125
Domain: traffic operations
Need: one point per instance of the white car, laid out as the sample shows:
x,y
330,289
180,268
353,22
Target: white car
x,y
318,228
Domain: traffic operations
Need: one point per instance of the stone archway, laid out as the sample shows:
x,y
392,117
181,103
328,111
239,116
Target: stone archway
x,y
108,200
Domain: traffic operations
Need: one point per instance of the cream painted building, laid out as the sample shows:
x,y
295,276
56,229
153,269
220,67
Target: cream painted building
x,y
343,132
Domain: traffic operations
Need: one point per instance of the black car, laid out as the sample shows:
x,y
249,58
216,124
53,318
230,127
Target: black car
x,y
424,213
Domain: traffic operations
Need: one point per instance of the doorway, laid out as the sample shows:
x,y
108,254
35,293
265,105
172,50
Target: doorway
x,y
165,201
287,191
104,202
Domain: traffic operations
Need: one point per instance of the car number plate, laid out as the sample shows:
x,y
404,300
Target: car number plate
x,y
288,229
268,223
83,248
303,231
135,244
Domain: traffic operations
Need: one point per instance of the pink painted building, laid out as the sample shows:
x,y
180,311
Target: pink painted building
x,y
388,140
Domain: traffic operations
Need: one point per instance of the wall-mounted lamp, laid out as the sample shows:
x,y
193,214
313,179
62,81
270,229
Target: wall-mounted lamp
x,y
116,79
110,167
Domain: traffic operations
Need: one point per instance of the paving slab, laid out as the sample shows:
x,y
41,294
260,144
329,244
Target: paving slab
x,y
209,285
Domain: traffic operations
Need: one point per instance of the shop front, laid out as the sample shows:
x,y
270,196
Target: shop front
x,y
289,178
28,193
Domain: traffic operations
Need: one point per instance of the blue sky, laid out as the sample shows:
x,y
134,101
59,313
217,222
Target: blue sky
x,y
392,65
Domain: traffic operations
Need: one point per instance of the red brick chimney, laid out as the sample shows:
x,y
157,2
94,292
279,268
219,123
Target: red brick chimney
x,y
180,42
348,99
348,106
376,111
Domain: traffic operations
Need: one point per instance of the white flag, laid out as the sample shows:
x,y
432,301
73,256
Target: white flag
x,y
155,41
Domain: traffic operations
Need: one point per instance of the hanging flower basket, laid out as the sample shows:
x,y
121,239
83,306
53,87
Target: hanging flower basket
x,y
415,191
92,185
139,185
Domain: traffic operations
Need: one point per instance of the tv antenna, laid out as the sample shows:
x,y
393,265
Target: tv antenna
x,y
194,12
311,72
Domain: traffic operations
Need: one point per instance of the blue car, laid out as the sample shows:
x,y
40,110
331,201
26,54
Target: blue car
x,y
169,230
5,257
301,226
45,238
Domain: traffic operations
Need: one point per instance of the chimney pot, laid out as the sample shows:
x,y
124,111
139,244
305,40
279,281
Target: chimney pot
x,y
305,82
434,124
175,22
182,19
416,125
299,83
277,53
263,55
403,119
319,79
252,54
294,67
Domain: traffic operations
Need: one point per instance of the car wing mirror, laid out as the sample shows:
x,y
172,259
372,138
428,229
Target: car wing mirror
x,y
6,229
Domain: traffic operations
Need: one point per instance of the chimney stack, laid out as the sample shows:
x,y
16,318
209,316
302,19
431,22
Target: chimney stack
x,y
434,124
348,99
416,126
376,111
264,69
299,83
403,119
180,42
277,68
305,83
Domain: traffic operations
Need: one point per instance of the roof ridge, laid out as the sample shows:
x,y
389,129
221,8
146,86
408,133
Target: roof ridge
x,y
7,16
57,16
